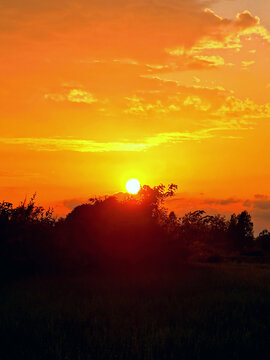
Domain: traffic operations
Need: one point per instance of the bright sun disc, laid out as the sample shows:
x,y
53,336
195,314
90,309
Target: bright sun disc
x,y
133,186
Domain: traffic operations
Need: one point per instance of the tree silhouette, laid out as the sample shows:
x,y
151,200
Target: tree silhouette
x,y
263,240
240,230
108,231
113,229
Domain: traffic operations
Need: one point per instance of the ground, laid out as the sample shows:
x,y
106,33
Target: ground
x,y
216,311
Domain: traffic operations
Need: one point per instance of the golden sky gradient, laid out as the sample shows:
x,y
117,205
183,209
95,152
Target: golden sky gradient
x,y
96,92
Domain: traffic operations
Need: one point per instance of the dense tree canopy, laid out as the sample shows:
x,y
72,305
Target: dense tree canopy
x,y
108,230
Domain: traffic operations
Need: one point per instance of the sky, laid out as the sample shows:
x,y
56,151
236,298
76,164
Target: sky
x,y
94,93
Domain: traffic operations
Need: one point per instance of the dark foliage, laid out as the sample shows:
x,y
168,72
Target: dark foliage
x,y
263,241
26,237
107,232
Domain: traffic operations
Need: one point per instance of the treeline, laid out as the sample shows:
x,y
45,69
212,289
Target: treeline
x,y
107,232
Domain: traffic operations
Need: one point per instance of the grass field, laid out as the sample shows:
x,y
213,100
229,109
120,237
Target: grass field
x,y
217,311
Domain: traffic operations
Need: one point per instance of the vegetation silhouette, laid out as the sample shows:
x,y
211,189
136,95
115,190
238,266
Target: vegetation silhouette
x,y
128,279
110,233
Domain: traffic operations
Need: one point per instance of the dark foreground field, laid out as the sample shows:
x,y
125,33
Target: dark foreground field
x,y
206,311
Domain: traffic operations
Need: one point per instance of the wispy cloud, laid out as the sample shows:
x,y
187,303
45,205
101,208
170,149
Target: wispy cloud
x,y
214,61
78,145
83,145
246,64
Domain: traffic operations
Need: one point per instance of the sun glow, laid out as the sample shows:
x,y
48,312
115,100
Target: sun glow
x,y
133,186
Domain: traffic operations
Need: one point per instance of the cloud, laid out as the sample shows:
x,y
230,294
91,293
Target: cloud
x,y
140,106
176,137
260,210
260,196
212,61
193,60
201,201
246,109
125,29
171,97
131,29
183,203
215,105
207,43
83,145
77,145
262,204
220,33
223,202
262,218
197,102
74,95
246,20
248,63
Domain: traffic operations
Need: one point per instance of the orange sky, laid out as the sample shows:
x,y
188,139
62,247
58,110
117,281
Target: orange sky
x,y
96,92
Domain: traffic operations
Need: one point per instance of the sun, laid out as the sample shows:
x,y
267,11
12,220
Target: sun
x,y
133,186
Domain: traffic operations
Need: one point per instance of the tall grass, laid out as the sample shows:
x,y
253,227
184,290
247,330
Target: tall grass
x,y
204,312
